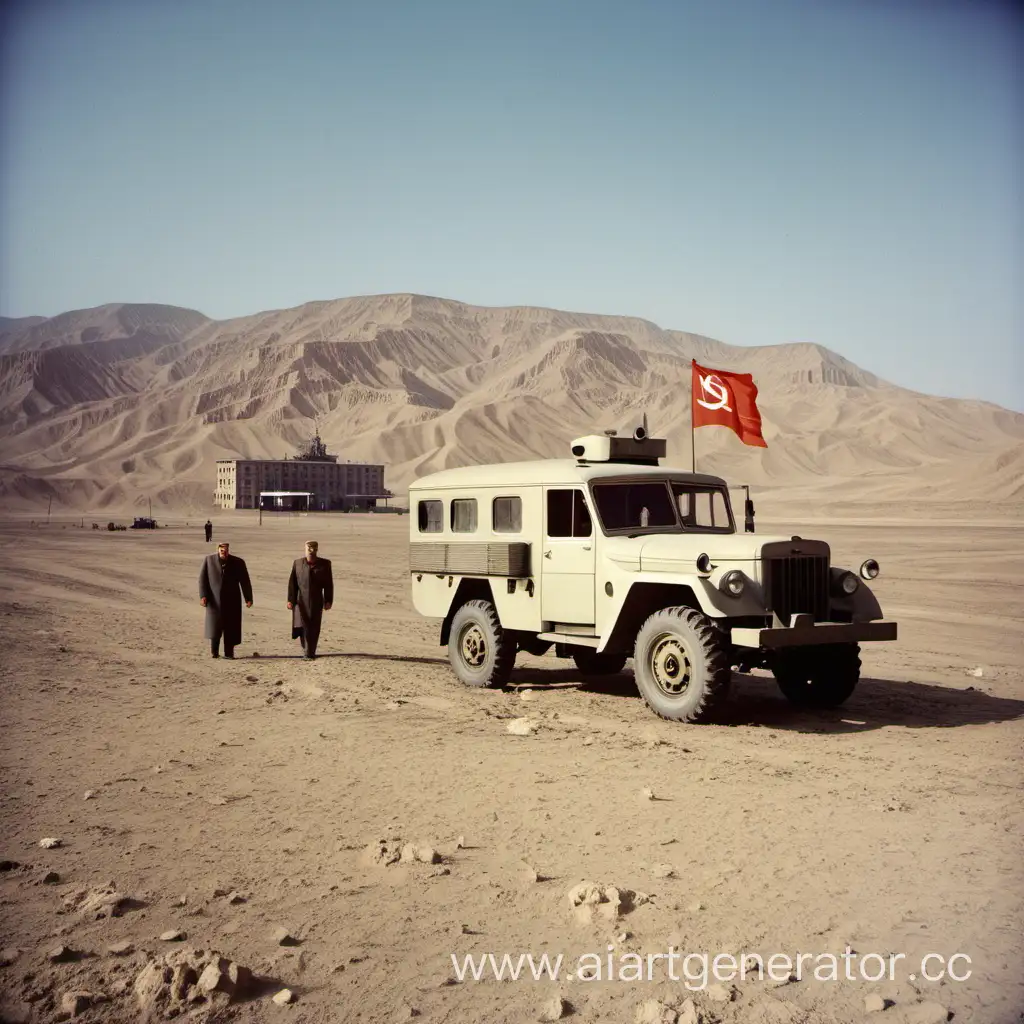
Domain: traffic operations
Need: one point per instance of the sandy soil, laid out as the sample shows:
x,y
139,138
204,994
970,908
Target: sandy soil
x,y
893,825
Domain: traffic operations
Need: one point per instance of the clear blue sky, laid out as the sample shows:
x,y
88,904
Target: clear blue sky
x,y
847,172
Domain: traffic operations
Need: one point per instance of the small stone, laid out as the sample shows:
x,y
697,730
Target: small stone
x,y
60,954
9,865
236,897
588,741
173,935
50,878
75,1003
647,794
873,1003
51,843
718,993
522,727
688,1013
221,975
460,843
663,871
182,901
650,1011
88,794
121,948
182,980
283,937
428,855
439,871
284,997
252,679
526,695
408,855
555,1009
8,956
695,908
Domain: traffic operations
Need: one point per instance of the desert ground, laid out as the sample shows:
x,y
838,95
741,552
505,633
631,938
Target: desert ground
x,y
224,801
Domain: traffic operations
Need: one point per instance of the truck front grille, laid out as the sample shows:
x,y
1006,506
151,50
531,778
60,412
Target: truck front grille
x,y
797,583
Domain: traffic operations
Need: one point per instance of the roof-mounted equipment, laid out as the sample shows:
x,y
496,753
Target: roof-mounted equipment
x,y
638,450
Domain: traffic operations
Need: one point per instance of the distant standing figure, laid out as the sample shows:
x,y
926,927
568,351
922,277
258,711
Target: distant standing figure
x,y
209,531
310,594
223,582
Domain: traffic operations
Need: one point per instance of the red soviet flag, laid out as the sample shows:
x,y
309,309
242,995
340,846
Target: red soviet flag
x,y
728,400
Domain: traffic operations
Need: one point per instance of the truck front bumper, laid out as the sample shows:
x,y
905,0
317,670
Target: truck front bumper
x,y
804,634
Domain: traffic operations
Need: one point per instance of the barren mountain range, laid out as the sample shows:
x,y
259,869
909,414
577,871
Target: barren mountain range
x,y
112,406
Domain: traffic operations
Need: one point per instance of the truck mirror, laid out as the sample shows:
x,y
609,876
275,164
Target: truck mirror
x,y
748,515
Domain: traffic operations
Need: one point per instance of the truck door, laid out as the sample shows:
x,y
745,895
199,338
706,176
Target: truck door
x,y
567,565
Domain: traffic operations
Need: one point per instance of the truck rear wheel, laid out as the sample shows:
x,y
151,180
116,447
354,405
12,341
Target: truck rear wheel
x,y
818,677
681,665
590,663
480,651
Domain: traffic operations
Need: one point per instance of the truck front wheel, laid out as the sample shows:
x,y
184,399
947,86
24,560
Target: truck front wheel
x,y
818,677
681,665
480,651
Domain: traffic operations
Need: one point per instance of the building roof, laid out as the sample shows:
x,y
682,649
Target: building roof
x,y
551,471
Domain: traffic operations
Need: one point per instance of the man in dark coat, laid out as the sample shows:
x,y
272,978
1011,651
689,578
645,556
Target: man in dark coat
x,y
223,582
310,594
208,526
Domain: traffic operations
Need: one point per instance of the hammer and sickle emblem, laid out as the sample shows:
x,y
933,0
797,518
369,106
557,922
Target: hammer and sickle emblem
x,y
713,386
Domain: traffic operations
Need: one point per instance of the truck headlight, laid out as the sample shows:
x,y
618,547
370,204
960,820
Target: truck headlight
x,y
869,570
844,583
733,583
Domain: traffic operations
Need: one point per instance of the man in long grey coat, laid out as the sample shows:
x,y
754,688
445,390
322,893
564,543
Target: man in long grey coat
x,y
223,582
310,594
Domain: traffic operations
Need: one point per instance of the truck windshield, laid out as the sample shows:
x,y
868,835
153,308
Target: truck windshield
x,y
662,506
702,509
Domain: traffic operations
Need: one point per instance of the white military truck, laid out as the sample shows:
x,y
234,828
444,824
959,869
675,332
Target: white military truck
x,y
608,555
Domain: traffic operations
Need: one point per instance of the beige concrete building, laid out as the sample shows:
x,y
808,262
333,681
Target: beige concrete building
x,y
331,484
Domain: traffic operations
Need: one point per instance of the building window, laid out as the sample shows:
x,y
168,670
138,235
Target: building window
x,y
464,515
568,515
431,516
507,515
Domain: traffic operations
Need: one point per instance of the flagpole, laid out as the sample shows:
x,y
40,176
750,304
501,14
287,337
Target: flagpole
x,y
693,411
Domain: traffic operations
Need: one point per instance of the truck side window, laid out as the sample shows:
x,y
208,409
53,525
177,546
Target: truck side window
x,y
507,515
431,516
568,515
463,515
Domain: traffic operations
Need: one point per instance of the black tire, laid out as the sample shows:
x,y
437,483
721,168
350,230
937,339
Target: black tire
x,y
818,677
480,651
590,663
681,665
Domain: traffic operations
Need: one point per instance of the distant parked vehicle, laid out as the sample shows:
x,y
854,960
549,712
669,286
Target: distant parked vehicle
x,y
144,523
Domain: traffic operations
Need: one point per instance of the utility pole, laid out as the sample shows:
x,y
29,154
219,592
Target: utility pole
x,y
48,504
150,508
